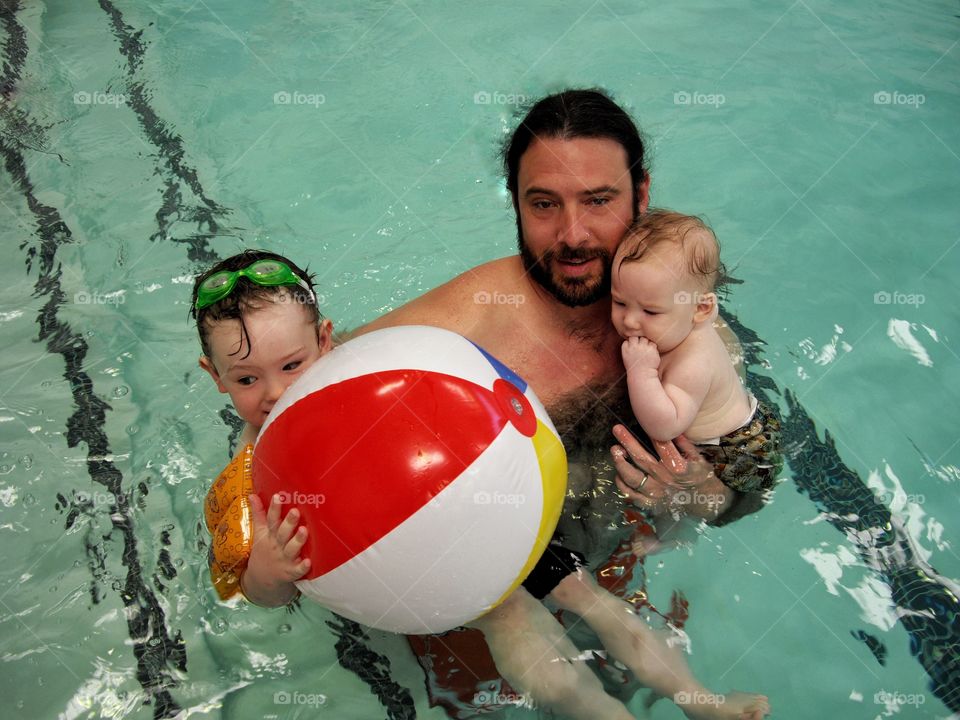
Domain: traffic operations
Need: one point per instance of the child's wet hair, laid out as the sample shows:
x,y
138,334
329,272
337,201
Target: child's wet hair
x,y
248,295
700,247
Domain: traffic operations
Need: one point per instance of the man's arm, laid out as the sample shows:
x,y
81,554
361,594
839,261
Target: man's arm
x,y
453,306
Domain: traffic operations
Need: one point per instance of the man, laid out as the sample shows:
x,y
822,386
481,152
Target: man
x,y
575,171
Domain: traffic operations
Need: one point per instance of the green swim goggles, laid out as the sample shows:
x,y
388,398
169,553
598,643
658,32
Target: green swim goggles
x,y
268,273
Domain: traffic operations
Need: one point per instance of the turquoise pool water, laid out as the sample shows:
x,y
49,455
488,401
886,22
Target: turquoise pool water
x,y
820,140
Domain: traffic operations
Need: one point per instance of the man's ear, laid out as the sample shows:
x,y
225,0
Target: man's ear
x,y
207,365
707,308
643,195
325,336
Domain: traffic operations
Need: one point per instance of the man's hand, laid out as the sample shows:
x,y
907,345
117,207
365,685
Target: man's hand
x,y
683,481
639,352
275,561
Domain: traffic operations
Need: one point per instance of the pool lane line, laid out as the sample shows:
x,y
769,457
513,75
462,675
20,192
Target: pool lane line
x,y
352,654
156,652
169,145
374,669
928,604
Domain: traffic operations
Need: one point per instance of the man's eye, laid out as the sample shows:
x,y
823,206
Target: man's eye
x,y
599,201
542,204
246,380
292,365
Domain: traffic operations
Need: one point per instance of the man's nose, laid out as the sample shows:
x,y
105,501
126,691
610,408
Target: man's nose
x,y
572,231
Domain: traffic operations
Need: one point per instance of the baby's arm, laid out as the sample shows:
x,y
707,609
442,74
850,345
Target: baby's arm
x,y
664,408
275,561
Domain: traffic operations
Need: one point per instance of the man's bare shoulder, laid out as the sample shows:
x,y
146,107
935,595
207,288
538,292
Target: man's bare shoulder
x,y
458,303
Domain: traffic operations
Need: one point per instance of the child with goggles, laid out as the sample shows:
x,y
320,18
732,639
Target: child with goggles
x,y
260,329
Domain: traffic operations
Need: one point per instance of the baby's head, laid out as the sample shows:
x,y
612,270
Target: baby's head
x,y
664,275
259,328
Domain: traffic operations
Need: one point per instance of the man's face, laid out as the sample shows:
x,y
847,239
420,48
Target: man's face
x,y
575,202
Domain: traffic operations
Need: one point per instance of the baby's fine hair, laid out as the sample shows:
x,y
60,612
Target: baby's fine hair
x,y
247,295
700,247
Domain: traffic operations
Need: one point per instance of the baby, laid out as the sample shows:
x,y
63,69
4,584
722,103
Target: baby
x,y
260,329
679,374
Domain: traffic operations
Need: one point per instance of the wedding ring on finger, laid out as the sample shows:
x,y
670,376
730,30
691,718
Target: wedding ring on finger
x,y
642,482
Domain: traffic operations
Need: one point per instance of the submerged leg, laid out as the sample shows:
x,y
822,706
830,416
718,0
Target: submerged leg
x,y
662,668
534,655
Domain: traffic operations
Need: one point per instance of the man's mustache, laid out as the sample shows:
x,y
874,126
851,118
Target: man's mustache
x,y
568,253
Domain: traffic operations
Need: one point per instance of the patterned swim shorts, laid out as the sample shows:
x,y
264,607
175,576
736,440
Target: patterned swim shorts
x,y
748,459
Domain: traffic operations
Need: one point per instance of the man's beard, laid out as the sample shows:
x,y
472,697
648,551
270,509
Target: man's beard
x,y
570,291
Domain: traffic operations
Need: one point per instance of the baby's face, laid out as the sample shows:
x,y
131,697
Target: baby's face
x,y
655,299
285,341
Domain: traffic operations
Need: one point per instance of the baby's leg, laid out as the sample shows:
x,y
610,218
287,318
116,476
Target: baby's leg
x,y
534,655
627,637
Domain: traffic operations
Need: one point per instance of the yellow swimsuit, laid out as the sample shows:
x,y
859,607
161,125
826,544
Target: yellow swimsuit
x,y
227,513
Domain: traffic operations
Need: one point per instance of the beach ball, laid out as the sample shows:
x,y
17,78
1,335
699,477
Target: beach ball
x,y
427,473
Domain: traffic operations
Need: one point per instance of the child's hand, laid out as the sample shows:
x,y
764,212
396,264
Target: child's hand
x,y
639,352
275,561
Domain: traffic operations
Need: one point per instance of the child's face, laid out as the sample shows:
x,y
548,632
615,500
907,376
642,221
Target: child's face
x,y
284,341
655,299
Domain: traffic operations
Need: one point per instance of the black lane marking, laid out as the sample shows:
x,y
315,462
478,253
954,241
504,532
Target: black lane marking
x,y
170,147
372,668
875,645
169,144
157,653
928,603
